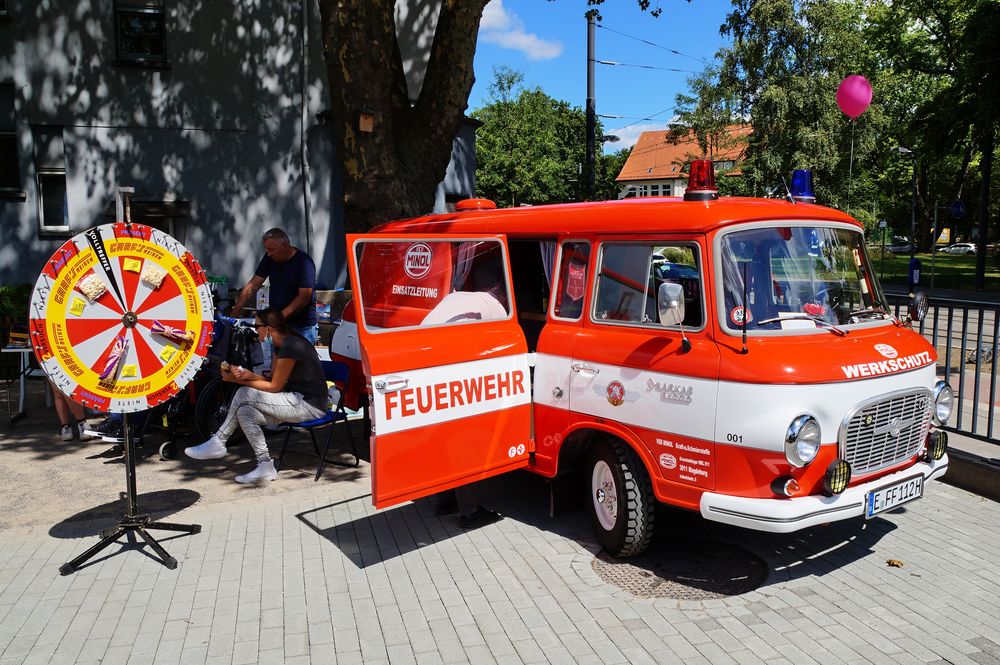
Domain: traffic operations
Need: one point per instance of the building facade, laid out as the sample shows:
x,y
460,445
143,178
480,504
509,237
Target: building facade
x,y
658,163
212,111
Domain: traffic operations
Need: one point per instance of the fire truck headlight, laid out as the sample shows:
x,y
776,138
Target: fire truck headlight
x,y
802,441
943,401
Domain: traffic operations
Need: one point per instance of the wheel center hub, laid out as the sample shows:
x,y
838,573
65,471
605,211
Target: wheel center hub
x,y
129,319
601,496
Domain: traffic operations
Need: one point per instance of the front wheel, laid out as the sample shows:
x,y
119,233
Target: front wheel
x,y
621,499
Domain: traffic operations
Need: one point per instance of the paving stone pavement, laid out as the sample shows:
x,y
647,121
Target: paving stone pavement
x,y
319,576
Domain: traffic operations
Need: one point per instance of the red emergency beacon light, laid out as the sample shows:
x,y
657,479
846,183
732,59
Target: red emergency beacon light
x,y
475,204
701,182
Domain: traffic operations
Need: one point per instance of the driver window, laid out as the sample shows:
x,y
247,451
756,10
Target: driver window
x,y
630,277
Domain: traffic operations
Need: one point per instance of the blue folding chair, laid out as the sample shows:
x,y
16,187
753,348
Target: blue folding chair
x,y
338,373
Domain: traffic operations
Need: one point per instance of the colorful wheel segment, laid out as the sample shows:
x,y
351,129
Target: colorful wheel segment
x,y
121,317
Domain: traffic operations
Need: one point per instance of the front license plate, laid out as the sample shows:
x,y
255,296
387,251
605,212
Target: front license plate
x,y
887,498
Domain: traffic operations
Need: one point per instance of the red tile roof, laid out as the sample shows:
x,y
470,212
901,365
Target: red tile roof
x,y
661,154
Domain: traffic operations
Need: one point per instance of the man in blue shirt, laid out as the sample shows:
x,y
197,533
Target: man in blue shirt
x,y
292,276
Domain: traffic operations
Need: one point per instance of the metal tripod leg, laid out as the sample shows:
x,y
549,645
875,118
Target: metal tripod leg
x,y
71,567
131,520
168,561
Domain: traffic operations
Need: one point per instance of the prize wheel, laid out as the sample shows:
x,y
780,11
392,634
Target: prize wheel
x,y
121,317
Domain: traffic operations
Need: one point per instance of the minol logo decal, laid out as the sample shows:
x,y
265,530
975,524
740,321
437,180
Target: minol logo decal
x,y
418,260
887,366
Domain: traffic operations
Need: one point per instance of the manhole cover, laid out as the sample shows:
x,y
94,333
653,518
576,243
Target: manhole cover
x,y
689,570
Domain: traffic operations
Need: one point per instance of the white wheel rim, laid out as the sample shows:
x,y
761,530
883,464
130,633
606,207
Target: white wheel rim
x,y
604,494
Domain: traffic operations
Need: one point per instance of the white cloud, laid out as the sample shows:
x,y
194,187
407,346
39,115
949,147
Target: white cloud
x,y
629,135
505,29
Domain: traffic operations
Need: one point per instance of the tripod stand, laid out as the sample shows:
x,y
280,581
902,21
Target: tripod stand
x,y
131,520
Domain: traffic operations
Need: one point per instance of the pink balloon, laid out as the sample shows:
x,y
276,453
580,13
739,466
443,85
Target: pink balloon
x,y
854,95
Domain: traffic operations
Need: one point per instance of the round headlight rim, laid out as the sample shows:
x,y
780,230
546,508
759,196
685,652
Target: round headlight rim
x,y
939,389
792,438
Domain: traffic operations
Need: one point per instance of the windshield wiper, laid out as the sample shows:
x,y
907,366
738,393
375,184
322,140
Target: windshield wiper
x,y
802,316
867,311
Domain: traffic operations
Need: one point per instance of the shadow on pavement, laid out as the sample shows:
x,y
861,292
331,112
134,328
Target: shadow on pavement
x,y
368,537
92,521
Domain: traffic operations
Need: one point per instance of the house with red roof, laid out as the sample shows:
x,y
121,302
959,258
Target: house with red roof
x,y
659,161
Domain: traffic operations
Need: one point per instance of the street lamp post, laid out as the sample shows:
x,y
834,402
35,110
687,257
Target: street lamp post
x,y
913,197
913,273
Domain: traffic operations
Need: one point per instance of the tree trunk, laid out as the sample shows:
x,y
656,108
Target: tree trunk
x,y
393,170
983,214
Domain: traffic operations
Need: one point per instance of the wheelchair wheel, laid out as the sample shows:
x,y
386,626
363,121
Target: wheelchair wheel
x,y
168,450
212,407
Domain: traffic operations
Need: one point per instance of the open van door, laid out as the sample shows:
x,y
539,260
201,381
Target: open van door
x,y
447,364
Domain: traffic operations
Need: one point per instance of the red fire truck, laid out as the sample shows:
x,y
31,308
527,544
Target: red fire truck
x,y
732,356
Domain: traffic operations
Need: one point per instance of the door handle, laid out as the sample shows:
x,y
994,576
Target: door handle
x,y
577,367
391,385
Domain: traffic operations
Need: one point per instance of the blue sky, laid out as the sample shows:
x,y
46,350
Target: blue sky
x,y
547,42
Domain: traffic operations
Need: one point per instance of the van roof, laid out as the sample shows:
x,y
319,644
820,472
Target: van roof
x,y
636,215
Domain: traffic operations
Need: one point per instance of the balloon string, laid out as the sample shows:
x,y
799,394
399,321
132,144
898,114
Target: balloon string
x,y
850,168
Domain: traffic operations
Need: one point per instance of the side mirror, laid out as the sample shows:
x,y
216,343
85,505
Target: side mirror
x,y
917,309
670,304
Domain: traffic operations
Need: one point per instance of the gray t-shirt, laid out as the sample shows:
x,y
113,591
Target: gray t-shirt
x,y
307,375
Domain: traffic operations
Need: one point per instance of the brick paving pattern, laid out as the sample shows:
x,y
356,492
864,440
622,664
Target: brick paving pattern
x,y
319,576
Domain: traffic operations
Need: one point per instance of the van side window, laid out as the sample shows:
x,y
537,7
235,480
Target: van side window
x,y
573,263
431,282
630,277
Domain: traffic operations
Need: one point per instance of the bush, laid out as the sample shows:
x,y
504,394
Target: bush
x,y
14,301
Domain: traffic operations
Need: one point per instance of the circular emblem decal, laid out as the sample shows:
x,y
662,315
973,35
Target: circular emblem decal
x,y
736,316
668,461
417,262
616,393
886,350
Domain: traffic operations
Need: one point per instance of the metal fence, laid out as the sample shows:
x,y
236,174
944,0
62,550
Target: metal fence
x,y
965,334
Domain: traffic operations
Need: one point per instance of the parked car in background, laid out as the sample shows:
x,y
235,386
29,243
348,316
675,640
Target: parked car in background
x,y
960,248
900,248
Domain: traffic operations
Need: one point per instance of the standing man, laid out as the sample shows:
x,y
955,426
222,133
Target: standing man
x,y
292,275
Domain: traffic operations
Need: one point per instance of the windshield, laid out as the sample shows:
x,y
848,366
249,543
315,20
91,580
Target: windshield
x,y
791,277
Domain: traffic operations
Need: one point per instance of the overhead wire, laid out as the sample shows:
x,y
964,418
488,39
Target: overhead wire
x,y
663,69
654,44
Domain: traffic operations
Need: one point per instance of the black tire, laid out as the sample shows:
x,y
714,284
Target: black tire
x,y
622,504
168,450
212,406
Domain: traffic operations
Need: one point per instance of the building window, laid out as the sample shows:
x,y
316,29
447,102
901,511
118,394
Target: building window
x,y
654,190
50,165
140,32
10,179
725,165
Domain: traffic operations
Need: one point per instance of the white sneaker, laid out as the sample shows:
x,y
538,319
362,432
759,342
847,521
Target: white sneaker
x,y
264,471
66,433
85,429
211,449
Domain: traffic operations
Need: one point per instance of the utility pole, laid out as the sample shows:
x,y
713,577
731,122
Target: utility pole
x,y
591,112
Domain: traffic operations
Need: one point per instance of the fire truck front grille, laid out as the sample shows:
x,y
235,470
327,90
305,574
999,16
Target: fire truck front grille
x,y
886,430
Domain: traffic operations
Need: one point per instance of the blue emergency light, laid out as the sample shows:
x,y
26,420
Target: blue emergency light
x,y
802,186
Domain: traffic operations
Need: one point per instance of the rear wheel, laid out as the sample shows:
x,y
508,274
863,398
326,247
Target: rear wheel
x,y
213,406
621,499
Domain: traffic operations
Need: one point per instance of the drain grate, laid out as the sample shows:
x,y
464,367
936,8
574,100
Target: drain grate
x,y
687,570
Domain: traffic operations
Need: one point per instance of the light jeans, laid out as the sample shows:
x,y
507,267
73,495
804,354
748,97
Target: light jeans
x,y
252,408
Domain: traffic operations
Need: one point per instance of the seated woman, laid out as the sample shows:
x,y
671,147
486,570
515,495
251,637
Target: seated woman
x,y
295,392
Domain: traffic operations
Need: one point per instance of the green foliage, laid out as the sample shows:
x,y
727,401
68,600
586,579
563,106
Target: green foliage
x,y
608,168
932,66
14,301
531,147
